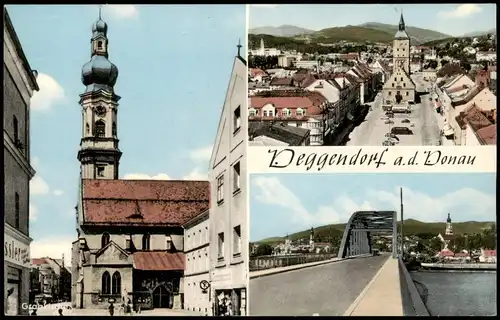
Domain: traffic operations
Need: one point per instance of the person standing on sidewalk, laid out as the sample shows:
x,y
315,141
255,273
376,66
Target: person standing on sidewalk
x,y
111,309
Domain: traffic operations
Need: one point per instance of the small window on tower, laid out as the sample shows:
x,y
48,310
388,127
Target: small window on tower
x,y
99,171
100,128
99,44
113,128
87,128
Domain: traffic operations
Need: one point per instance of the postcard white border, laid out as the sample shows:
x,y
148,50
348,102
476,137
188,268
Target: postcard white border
x,y
372,159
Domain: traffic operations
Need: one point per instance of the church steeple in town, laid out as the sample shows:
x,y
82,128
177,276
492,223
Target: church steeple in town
x,y
401,23
449,228
99,154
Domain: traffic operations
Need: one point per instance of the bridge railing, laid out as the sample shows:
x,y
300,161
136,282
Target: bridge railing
x,y
413,305
269,262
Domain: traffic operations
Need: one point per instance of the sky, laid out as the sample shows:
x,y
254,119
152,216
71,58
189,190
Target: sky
x,y
174,67
451,19
288,203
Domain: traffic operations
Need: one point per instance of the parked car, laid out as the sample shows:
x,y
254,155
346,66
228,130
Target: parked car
x,y
389,122
384,118
401,130
405,121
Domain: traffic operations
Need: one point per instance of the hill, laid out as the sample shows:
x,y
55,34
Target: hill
x,y
410,227
480,33
351,33
281,31
417,35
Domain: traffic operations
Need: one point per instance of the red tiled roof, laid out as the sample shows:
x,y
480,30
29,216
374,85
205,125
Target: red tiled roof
x,y
489,253
488,134
159,261
130,202
456,89
308,80
281,82
461,254
446,253
286,102
257,72
474,117
38,261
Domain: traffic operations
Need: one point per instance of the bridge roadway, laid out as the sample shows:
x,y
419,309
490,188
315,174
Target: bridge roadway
x,y
331,289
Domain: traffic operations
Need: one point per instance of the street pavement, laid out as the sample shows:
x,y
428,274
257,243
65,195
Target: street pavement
x,y
426,130
51,310
325,290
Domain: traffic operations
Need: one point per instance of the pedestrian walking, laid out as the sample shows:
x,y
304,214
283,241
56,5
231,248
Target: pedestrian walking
x,y
33,313
60,312
111,309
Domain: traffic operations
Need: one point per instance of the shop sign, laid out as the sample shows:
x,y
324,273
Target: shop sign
x,y
16,252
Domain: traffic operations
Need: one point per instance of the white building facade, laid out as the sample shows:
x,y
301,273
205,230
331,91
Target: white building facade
x,y
228,222
197,272
18,88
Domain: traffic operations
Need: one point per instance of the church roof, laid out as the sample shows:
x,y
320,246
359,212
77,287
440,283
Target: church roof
x,y
143,202
159,261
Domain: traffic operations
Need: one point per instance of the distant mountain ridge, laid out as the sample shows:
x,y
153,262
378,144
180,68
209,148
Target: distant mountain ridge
x,y
418,35
411,226
480,33
281,31
370,31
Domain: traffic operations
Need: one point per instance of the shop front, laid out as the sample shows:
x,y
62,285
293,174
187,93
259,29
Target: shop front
x,y
16,271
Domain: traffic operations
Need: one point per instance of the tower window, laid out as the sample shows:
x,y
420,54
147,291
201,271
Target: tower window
x,y
100,128
404,84
401,78
87,128
99,44
406,92
393,84
99,171
113,129
146,242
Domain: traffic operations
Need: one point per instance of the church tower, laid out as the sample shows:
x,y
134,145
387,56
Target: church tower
x,y
449,228
311,240
99,154
262,48
401,48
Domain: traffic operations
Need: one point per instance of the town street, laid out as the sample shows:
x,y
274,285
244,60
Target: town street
x,y
423,123
325,290
52,310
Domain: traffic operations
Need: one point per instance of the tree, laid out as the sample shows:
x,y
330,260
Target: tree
x,y
370,60
435,244
263,250
444,62
433,64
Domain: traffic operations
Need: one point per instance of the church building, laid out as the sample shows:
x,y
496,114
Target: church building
x,y
399,89
130,232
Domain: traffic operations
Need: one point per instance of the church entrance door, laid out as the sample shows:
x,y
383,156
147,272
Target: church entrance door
x,y
161,297
399,97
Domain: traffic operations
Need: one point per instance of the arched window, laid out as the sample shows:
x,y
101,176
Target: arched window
x,y
145,242
116,283
105,239
113,129
87,128
106,283
100,128
99,44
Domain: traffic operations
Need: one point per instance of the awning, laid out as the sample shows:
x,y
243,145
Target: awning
x,y
159,261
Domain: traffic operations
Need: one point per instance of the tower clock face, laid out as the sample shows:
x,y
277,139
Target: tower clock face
x,y
100,111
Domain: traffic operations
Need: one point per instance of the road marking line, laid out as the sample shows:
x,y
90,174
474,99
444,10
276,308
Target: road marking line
x,y
315,314
353,306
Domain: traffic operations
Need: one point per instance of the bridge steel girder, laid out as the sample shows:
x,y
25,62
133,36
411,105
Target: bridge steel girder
x,y
358,231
